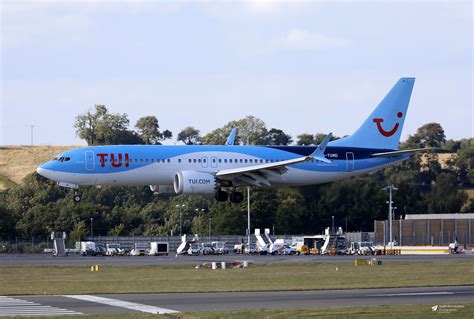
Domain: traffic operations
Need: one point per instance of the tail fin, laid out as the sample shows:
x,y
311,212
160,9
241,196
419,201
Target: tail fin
x,y
383,127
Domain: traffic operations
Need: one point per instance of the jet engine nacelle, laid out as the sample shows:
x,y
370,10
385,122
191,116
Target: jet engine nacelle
x,y
192,182
162,189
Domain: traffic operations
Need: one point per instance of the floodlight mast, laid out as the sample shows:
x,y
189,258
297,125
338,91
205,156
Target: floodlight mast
x,y
391,188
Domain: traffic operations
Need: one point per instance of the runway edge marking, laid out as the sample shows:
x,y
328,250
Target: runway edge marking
x,y
414,294
14,307
123,304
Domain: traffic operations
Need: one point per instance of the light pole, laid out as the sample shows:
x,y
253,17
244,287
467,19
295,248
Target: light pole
x,y
391,188
200,211
92,223
180,219
248,216
332,229
210,220
400,230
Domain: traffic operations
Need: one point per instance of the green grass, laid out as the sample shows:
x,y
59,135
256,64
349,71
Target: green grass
x,y
5,182
22,280
391,312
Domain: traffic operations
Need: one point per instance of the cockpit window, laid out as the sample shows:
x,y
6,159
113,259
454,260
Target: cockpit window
x,y
62,159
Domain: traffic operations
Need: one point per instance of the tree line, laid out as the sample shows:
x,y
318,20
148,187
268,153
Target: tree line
x,y
38,206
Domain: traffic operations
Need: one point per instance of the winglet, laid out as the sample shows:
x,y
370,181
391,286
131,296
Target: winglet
x,y
231,139
318,153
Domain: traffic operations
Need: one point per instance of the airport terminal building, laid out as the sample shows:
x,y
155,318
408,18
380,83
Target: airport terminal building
x,y
427,229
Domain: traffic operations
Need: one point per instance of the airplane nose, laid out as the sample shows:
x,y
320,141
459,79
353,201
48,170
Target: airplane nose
x,y
40,170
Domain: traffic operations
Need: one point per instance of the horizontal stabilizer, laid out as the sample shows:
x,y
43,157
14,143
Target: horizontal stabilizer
x,y
401,152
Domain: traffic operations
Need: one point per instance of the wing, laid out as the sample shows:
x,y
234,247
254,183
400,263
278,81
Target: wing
x,y
258,175
401,152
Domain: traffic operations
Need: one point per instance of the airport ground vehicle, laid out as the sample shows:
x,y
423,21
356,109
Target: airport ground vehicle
x,y
362,248
159,248
219,248
288,250
139,249
194,249
114,250
251,249
207,249
88,248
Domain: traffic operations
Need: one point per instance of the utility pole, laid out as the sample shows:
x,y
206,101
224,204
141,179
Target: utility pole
x,y
248,216
31,133
210,220
92,227
180,219
391,188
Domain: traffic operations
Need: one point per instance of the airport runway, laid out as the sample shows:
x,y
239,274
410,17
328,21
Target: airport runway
x,y
173,303
47,259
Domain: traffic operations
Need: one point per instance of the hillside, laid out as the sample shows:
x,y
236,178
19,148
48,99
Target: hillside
x,y
18,161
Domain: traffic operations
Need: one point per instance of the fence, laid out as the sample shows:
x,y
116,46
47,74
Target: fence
x,y
425,232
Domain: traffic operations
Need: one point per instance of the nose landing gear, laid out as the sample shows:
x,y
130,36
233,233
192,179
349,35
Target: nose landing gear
x,y
77,197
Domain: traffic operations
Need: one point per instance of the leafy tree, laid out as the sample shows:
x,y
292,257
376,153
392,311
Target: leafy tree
x,y
189,136
79,231
148,130
252,131
305,139
428,135
308,139
445,196
104,128
277,137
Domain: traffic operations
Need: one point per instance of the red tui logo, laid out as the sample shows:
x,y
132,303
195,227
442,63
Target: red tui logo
x,y
384,132
113,161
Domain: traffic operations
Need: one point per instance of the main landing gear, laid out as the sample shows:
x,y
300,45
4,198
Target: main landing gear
x,y
235,197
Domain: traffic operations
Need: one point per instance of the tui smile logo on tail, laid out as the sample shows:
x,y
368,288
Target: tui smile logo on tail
x,y
384,132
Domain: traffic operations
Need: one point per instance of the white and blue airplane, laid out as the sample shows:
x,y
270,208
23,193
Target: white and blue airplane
x,y
223,169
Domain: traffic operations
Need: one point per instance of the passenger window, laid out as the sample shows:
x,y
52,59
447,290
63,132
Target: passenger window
x,y
230,160
245,160
179,160
241,161
189,160
168,160
204,160
261,161
194,160
225,160
220,161
199,160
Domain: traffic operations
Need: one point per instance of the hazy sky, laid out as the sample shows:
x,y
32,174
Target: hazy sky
x,y
303,67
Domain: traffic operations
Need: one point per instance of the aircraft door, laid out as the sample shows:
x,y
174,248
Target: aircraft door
x,y
349,162
89,160
204,162
213,162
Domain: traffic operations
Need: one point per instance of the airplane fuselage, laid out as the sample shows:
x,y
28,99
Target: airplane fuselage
x,y
158,164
